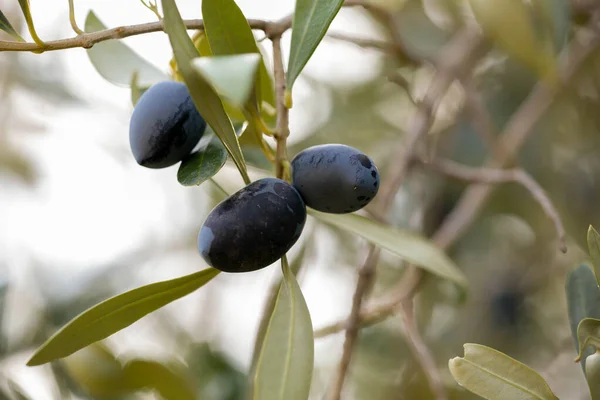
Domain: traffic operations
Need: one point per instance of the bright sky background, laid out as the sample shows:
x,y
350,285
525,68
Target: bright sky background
x,y
91,207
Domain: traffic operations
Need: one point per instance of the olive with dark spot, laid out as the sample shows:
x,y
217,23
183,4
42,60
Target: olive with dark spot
x,y
335,178
165,125
254,227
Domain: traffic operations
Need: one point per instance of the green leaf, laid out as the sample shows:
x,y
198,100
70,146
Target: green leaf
x,y
496,376
116,313
284,365
8,28
311,21
228,33
593,239
583,300
207,101
202,165
510,25
169,382
117,62
592,374
28,18
588,334
406,245
136,90
232,77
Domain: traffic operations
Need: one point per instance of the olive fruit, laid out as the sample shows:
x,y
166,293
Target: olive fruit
x,y
165,125
254,227
335,178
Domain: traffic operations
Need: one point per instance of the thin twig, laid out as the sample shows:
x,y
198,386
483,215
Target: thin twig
x,y
72,18
497,175
421,353
282,127
382,45
458,56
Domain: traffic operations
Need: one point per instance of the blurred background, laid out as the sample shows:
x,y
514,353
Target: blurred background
x,y
80,221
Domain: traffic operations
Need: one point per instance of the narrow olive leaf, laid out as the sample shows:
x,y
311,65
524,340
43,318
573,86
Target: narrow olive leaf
x,y
117,62
583,300
284,365
116,313
407,245
495,376
311,21
29,19
136,90
509,24
8,28
207,101
202,165
228,33
233,77
588,334
593,239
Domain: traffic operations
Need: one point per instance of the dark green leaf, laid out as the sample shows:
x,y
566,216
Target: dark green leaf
x,y
284,365
117,313
311,21
228,33
409,246
207,101
8,28
495,376
588,334
136,90
232,77
116,62
202,165
583,300
593,239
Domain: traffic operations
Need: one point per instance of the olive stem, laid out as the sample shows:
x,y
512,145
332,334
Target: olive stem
x,y
72,20
282,128
88,39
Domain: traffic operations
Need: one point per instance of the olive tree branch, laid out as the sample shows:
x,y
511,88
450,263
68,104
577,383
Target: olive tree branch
x,y
455,59
72,18
498,175
477,194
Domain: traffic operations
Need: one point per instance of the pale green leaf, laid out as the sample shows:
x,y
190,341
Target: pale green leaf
x,y
592,374
588,334
593,239
8,28
117,62
202,165
311,21
284,365
510,25
228,33
583,300
233,77
496,376
116,313
207,101
406,245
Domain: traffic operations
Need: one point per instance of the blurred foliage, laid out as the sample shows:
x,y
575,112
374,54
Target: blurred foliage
x,y
517,302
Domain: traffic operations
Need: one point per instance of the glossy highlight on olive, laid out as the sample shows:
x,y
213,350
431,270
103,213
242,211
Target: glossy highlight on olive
x,y
165,125
335,178
254,227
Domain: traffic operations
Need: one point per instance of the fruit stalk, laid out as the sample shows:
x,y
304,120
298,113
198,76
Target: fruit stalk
x,y
282,163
